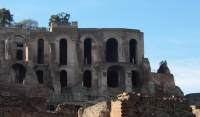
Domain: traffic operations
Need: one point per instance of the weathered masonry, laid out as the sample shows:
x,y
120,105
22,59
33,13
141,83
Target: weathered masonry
x,y
105,59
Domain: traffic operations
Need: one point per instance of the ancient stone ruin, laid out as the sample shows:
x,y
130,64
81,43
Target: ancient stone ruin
x,y
79,65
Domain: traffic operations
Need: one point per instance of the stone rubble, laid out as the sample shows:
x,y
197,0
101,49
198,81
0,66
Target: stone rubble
x,y
137,105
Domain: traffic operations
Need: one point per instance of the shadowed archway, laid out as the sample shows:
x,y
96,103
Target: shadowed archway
x,y
63,78
87,51
112,50
132,50
19,72
40,76
40,51
134,78
87,81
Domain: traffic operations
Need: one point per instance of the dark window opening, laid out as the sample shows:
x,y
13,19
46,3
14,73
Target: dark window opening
x,y
134,78
40,51
19,45
63,78
87,81
51,107
132,50
87,51
40,76
112,79
20,72
63,52
112,50
19,54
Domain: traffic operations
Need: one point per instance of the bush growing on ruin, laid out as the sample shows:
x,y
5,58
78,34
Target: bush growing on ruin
x,y
28,24
60,18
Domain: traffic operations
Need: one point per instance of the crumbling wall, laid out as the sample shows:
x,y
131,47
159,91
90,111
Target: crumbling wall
x,y
131,104
35,90
159,84
101,109
67,109
26,107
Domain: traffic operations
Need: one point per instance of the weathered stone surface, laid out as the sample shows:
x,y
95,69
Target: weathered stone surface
x,y
26,107
101,109
195,110
36,90
132,104
47,60
31,77
67,109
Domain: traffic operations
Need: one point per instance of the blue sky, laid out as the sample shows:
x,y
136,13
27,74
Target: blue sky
x,y
171,28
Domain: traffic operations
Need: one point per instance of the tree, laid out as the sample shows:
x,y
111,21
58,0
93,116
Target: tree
x,y
5,18
28,24
60,18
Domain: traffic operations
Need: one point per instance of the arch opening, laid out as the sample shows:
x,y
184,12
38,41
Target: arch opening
x,y
134,78
63,78
87,81
112,50
112,79
87,51
19,54
19,72
40,76
40,51
63,52
132,50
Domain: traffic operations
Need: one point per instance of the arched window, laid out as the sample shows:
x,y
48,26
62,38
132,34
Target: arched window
x,y
63,78
87,51
112,79
134,78
63,52
40,51
87,81
132,50
19,54
40,76
112,50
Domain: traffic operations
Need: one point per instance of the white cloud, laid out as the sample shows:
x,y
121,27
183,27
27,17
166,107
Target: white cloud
x,y
186,74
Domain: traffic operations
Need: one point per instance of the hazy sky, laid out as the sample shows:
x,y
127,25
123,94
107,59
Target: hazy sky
x,y
171,27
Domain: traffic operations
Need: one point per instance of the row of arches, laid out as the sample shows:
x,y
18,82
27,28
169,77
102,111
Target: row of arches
x,y
116,77
111,51
113,75
87,80
113,79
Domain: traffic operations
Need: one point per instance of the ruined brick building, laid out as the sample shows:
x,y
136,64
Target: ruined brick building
x,y
101,59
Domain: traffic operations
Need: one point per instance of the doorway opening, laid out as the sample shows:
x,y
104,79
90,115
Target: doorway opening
x,y
40,76
132,50
87,81
87,51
